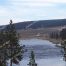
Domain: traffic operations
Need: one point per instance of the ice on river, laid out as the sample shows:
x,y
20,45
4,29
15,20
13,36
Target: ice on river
x,y
46,53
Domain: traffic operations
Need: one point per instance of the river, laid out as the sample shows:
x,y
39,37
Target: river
x,y
46,53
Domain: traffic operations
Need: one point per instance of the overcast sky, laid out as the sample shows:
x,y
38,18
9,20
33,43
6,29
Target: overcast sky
x,y
27,10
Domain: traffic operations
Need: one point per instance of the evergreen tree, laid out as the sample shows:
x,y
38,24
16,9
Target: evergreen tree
x,y
32,59
63,34
2,49
15,50
63,44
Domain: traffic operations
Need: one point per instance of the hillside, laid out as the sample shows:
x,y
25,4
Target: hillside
x,y
39,24
48,23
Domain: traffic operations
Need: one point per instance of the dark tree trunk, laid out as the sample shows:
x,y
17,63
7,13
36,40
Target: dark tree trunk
x,y
11,62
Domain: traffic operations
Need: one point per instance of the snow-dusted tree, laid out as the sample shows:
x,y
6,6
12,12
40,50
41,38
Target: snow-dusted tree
x,y
32,59
15,51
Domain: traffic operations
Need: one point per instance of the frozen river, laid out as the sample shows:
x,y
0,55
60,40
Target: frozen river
x,y
46,53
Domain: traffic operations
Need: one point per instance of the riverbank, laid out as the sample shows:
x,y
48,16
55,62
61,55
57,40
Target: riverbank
x,y
43,33
55,41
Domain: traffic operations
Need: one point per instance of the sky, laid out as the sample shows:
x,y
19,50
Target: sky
x,y
28,10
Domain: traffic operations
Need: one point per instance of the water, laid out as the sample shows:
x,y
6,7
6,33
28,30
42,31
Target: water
x,y
46,53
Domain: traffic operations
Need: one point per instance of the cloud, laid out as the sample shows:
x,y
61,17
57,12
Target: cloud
x,y
40,1
23,10
3,11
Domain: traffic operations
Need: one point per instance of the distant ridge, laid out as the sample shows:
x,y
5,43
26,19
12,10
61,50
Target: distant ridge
x,y
39,24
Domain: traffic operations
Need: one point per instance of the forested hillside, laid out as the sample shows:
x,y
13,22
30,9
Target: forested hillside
x,y
40,24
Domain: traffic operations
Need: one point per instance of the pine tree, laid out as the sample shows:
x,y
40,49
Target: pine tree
x,y
15,50
63,34
32,59
2,49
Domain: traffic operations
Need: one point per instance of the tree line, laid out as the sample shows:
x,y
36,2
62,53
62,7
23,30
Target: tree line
x,y
57,35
